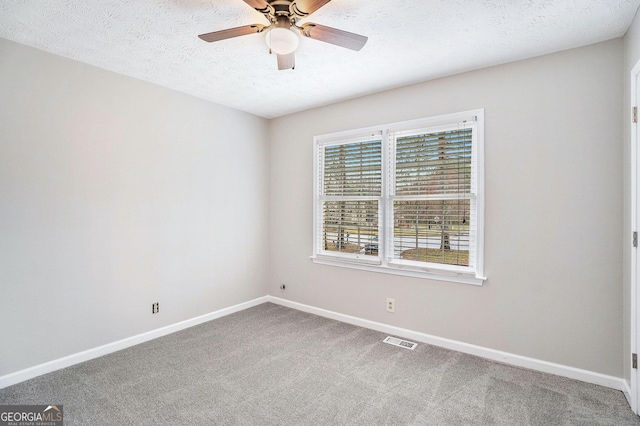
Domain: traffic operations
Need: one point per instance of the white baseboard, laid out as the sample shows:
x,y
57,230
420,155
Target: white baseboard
x,y
48,367
627,393
492,354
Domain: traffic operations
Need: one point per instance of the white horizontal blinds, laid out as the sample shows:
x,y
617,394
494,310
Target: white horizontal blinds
x,y
432,231
350,226
353,169
435,163
432,202
351,188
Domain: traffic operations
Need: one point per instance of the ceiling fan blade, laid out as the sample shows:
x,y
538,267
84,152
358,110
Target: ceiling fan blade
x,y
286,62
307,7
334,36
259,5
232,32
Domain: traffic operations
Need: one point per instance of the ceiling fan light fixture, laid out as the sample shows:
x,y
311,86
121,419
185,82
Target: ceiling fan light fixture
x,y
282,40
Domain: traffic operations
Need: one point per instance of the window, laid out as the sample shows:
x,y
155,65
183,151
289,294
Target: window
x,y
404,198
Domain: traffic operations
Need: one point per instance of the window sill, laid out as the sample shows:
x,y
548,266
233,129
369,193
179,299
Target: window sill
x,y
461,278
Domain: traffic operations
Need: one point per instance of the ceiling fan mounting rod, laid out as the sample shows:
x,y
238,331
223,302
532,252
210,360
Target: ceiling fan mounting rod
x,y
282,22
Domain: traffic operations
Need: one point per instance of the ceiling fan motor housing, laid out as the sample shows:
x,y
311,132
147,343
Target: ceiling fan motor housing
x,y
286,8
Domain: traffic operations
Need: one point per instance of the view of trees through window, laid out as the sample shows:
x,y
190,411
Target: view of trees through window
x,y
428,199
431,206
352,183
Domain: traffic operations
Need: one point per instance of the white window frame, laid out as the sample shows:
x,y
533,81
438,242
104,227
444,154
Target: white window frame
x,y
382,263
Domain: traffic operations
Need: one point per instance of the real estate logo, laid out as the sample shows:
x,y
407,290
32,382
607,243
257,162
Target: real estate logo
x,y
31,415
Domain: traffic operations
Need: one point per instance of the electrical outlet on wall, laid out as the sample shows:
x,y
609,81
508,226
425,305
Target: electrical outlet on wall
x,y
391,305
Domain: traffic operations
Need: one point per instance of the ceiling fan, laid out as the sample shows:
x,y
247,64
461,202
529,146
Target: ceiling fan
x,y
283,16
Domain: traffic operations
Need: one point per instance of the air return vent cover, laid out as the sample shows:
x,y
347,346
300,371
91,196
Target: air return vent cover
x,y
399,342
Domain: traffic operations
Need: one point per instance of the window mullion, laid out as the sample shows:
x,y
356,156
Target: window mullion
x,y
386,220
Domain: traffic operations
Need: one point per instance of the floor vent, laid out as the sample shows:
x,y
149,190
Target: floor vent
x,y
399,342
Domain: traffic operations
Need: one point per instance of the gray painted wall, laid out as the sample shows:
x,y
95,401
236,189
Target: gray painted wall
x,y
631,57
554,197
115,194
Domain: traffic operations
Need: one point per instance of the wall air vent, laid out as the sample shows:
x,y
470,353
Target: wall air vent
x,y
399,342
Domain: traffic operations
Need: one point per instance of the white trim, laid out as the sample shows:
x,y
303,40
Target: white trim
x,y
67,361
357,258
478,146
633,263
492,354
438,120
627,393
441,275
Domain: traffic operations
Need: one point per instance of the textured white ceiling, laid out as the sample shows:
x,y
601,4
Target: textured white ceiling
x,y
409,41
